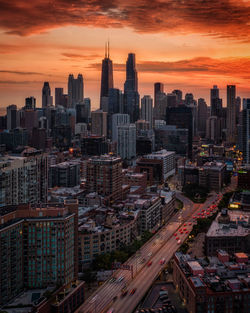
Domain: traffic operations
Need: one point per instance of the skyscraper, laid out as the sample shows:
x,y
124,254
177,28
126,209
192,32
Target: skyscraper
x,y
178,96
202,117
182,117
231,114
107,78
117,120
126,145
47,99
147,109
215,102
99,123
83,111
214,93
11,116
58,96
245,130
131,95
75,89
30,103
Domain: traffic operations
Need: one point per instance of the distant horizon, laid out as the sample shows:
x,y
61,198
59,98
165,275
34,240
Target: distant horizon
x,y
185,45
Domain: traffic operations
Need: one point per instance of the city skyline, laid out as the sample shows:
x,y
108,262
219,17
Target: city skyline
x,y
183,48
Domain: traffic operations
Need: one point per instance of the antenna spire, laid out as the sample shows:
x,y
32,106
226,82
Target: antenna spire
x,y
108,49
105,50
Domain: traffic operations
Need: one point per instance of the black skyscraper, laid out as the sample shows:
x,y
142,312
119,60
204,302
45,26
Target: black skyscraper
x,y
107,78
131,95
182,117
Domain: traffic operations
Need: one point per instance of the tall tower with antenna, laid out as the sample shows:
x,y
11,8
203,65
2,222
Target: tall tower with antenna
x,y
107,78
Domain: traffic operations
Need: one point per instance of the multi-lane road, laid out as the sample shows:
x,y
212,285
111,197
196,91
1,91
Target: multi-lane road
x,y
162,246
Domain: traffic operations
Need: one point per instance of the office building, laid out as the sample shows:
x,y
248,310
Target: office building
x,y
189,99
99,123
115,106
39,247
30,103
245,131
202,117
158,89
182,117
147,110
126,142
221,284
104,176
171,100
160,106
231,114
178,94
213,129
118,120
24,179
65,174
131,95
106,79
83,111
47,99
11,117
58,96
75,90
61,135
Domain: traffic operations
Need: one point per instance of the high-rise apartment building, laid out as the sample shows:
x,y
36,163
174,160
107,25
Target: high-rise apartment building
x,y
106,79
24,179
104,176
39,247
126,143
131,95
99,123
178,94
231,114
118,120
147,109
245,131
47,99
11,117
75,90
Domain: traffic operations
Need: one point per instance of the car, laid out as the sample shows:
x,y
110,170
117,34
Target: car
x,y
185,224
184,229
132,291
177,238
111,310
175,234
178,241
115,298
162,261
150,253
120,279
180,230
149,263
190,224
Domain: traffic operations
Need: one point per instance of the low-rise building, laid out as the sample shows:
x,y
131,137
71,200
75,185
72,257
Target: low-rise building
x,y
213,285
212,175
66,174
230,232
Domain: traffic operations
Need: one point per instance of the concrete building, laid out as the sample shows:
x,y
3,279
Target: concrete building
x,y
126,143
118,120
214,286
99,123
245,131
47,99
168,161
104,176
230,232
24,179
11,117
39,247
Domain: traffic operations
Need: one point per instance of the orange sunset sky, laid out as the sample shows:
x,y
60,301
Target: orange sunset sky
x,y
186,44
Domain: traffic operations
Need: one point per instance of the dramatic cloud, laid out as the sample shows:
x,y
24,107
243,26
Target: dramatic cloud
x,y
81,57
21,72
223,18
237,67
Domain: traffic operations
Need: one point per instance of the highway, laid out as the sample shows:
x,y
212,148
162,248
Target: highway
x,y
163,245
